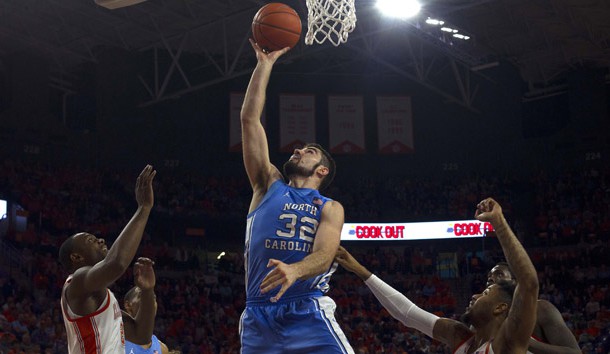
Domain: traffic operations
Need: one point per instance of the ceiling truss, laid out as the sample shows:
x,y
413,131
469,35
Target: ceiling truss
x,y
543,38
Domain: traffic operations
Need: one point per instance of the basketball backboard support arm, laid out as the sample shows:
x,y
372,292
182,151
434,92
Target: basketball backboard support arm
x,y
117,4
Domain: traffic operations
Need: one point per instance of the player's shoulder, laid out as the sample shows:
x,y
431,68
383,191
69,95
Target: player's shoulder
x,y
545,311
75,279
75,287
265,179
333,204
164,348
545,305
273,175
332,207
453,333
273,183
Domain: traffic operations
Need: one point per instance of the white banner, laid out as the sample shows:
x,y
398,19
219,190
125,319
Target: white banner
x,y
237,99
297,121
414,230
346,124
394,124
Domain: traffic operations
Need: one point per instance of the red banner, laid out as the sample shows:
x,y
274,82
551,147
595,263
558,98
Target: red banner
x,y
297,121
346,124
395,124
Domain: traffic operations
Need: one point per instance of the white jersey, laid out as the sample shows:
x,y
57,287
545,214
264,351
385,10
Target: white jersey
x,y
484,349
100,332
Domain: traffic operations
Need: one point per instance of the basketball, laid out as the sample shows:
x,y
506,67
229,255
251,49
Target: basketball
x,y
276,26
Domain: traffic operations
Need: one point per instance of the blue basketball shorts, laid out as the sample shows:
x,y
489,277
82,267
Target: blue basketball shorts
x,y
305,325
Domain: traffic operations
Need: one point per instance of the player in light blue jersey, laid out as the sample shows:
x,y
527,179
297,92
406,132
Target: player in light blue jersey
x,y
292,235
140,311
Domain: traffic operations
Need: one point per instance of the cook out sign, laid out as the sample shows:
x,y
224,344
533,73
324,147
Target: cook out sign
x,y
415,231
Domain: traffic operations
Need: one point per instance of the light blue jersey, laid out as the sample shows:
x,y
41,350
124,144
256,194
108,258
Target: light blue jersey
x,y
283,227
132,348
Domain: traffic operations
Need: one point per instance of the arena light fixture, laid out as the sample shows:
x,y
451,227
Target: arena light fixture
x,y
461,36
434,22
399,8
449,29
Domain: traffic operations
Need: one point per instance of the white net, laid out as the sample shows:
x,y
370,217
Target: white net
x,y
330,20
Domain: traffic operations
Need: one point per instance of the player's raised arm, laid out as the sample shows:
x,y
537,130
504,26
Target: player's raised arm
x,y
93,267
254,139
445,330
551,334
515,332
119,256
140,304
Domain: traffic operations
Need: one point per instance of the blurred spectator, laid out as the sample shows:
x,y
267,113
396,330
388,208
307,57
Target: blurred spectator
x,y
200,298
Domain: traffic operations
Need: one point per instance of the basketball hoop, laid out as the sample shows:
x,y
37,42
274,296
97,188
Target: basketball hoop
x,y
330,19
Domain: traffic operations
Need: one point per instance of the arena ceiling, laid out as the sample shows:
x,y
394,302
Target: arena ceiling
x,y
544,39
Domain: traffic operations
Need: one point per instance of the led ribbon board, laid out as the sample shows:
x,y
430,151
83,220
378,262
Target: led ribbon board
x,y
414,230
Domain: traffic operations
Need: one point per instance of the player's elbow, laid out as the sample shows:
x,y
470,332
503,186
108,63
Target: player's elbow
x,y
248,117
328,262
320,266
326,266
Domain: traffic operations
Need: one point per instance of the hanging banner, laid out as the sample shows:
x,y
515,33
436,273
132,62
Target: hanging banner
x,y
395,124
415,230
236,101
346,124
297,121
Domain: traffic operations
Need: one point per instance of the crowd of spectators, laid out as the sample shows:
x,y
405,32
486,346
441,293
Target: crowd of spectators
x,y
200,298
